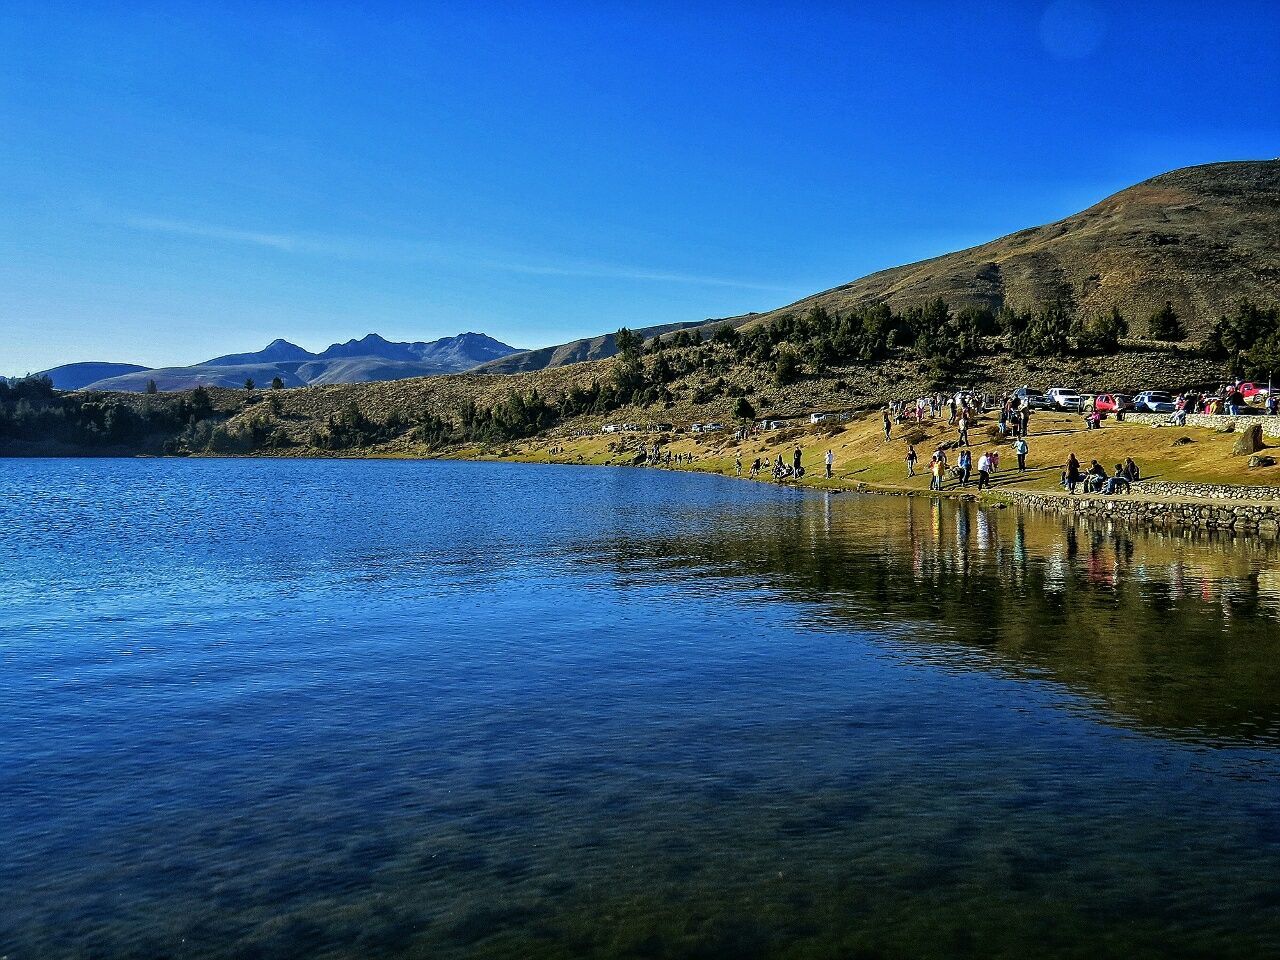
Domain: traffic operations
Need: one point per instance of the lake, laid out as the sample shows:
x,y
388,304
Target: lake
x,y
257,708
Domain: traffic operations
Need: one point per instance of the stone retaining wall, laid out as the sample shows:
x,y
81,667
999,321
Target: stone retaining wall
x,y
1249,517
1270,425
1208,491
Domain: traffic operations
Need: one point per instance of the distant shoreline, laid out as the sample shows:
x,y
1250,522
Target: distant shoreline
x,y
1190,489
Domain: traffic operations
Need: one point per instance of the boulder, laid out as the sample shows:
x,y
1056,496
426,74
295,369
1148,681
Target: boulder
x,y
1249,441
1262,460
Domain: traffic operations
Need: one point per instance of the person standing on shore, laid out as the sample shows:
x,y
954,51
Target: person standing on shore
x,y
965,462
1072,475
831,462
737,463
888,425
796,470
984,471
911,461
1021,449
938,467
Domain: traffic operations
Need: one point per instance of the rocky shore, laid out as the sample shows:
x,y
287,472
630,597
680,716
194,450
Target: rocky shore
x,y
1262,518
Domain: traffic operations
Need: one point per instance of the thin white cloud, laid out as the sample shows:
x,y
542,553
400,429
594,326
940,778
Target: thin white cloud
x,y
610,271
357,248
184,229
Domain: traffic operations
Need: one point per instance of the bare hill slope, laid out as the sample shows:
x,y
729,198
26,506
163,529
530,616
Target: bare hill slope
x,y
1202,237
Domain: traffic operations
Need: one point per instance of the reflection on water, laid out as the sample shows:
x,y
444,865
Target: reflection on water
x,y
275,709
1178,633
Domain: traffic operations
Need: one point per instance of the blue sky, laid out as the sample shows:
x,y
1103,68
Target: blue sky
x,y
182,181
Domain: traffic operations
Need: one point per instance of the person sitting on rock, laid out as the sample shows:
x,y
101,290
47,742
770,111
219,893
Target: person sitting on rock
x,y
1096,477
1131,471
1117,484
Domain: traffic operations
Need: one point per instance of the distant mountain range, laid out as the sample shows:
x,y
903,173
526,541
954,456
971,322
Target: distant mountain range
x,y
77,376
368,359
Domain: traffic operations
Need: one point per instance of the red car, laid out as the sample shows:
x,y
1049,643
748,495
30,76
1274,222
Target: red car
x,y
1112,402
1250,391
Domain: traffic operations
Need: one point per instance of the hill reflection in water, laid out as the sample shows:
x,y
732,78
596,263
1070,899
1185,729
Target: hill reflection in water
x,y
1175,633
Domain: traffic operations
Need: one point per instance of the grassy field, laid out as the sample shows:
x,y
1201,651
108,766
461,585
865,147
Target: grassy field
x,y
864,457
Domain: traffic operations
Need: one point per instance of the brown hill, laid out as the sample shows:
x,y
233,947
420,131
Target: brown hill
x,y
1202,237
576,351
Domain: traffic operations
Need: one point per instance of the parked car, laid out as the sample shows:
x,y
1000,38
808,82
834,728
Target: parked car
x,y
1112,402
1034,399
1153,401
1064,399
1253,392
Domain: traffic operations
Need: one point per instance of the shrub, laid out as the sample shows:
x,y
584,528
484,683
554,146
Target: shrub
x,y
787,369
1102,333
1165,324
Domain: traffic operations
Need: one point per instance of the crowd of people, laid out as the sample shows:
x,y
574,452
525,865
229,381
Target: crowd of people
x,y
1013,416
1097,480
962,411
1229,400
658,457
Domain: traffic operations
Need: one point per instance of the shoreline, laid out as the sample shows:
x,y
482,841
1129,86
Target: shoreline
x,y
1260,518
1177,499
1187,490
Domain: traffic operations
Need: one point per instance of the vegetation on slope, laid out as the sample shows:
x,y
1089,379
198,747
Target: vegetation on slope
x,y
792,364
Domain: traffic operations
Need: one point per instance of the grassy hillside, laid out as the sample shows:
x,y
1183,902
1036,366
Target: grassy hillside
x,y
1201,237
576,351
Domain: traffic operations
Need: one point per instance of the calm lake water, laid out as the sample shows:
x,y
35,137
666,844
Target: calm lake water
x,y
390,709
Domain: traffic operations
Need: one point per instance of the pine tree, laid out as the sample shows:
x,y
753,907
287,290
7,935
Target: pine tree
x,y
1165,324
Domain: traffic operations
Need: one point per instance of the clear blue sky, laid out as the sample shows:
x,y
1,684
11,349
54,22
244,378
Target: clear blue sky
x,y
181,181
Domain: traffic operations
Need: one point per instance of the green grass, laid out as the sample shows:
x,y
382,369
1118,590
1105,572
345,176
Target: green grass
x,y
862,456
